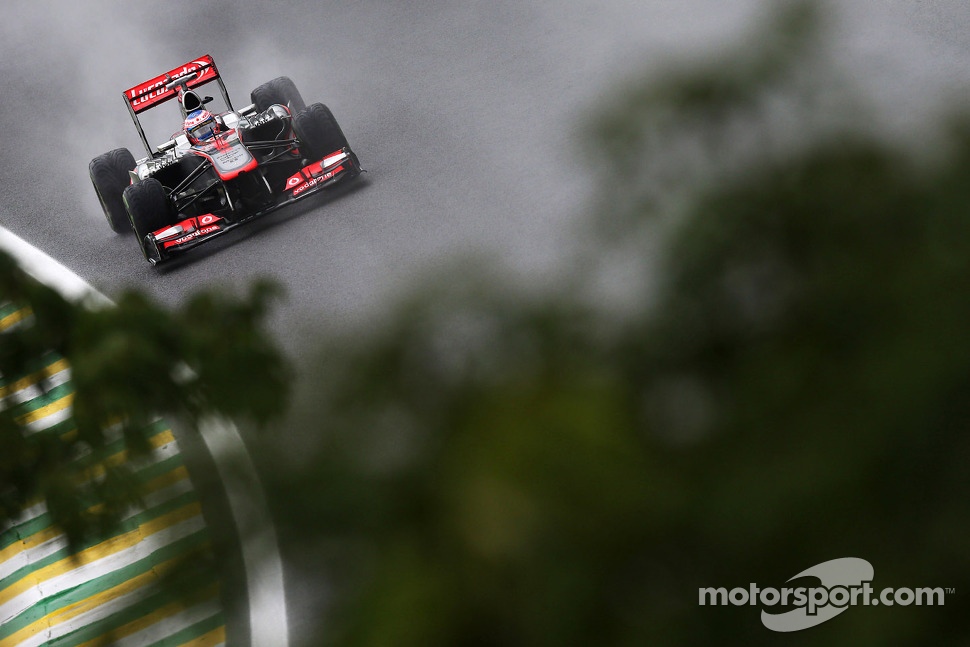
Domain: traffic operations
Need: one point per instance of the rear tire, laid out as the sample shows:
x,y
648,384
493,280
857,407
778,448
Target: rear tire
x,y
318,132
149,209
280,90
109,175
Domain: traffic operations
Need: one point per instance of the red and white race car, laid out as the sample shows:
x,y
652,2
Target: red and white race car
x,y
223,168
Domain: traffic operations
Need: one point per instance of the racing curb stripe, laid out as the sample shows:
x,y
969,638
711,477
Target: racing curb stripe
x,y
62,563
57,376
134,609
268,622
188,537
31,550
14,318
200,625
49,371
45,410
32,561
33,398
138,625
125,595
215,637
164,458
158,503
7,309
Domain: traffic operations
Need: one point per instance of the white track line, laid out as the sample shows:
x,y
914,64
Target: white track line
x,y
48,271
261,556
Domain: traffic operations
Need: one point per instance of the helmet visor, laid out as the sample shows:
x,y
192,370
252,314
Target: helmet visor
x,y
202,131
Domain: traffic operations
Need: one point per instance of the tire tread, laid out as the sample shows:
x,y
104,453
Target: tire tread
x,y
280,90
109,175
318,131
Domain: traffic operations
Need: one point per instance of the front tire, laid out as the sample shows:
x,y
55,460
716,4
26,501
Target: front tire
x,y
149,209
280,90
318,132
109,175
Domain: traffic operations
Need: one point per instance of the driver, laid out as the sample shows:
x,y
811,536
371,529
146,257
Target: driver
x,y
200,125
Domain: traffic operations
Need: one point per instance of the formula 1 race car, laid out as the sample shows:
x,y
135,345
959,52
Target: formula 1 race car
x,y
223,168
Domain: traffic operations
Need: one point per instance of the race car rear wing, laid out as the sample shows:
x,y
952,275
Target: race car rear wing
x,y
162,88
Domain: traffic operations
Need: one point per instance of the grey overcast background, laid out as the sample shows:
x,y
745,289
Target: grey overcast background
x,y
465,113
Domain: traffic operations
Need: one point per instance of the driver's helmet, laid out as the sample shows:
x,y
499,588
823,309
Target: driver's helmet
x,y
200,125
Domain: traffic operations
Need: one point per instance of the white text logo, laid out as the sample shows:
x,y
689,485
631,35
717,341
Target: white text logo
x,y
844,582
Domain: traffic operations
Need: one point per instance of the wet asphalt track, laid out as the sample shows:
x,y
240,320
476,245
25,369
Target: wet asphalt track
x,y
466,115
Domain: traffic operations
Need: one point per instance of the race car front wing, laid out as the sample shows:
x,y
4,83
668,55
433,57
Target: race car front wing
x,y
191,232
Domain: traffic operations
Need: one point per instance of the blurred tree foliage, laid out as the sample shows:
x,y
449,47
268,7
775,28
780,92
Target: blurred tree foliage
x,y
129,365
785,382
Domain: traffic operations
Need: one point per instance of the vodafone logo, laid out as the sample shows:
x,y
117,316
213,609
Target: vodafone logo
x,y
317,180
194,234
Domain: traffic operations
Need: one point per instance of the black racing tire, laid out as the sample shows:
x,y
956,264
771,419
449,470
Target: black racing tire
x,y
280,90
109,175
149,209
318,131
